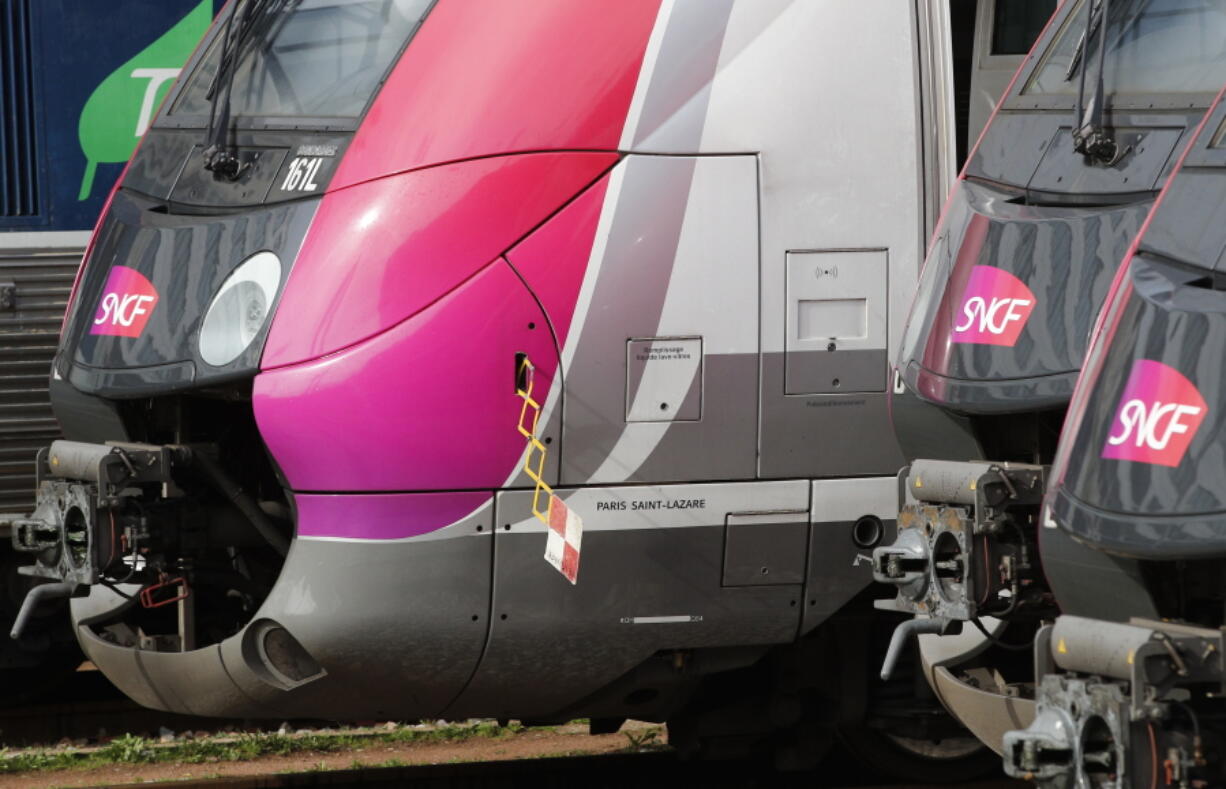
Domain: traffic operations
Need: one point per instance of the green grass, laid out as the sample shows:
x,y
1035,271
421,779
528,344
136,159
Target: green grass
x,y
129,749
645,740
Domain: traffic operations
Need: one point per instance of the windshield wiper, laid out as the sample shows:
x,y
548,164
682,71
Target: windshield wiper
x,y
1091,137
247,23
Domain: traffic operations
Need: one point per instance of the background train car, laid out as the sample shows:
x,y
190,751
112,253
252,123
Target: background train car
x,y
79,82
1139,477
1053,196
397,297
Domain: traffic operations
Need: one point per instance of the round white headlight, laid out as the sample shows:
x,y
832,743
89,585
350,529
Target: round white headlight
x,y
240,309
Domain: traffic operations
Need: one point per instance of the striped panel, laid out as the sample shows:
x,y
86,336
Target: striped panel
x,y
34,288
19,192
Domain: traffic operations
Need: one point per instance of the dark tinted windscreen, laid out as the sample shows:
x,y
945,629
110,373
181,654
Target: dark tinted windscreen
x,y
315,59
1153,46
1017,23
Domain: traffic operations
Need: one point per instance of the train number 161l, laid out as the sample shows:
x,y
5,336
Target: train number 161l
x,y
301,174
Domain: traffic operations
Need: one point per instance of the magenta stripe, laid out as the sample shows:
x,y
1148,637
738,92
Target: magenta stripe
x,y
383,516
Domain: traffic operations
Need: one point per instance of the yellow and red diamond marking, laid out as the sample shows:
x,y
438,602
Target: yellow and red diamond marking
x,y
565,525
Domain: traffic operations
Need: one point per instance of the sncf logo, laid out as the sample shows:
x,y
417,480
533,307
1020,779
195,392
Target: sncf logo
x,y
127,302
1157,417
995,307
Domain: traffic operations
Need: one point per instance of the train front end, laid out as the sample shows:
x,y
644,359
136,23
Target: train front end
x,y
521,360
1138,479
1048,205
308,242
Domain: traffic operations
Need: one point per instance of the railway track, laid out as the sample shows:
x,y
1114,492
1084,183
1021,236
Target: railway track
x,y
87,709
590,772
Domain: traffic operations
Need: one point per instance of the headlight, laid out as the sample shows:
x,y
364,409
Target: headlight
x,y
240,309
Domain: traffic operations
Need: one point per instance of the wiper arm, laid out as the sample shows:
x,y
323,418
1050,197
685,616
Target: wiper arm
x,y
243,26
1091,138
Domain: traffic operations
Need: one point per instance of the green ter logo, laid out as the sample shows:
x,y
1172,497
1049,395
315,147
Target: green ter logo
x,y
121,107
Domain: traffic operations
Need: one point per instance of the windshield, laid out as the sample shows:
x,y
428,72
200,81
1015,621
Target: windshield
x,y
320,59
1153,46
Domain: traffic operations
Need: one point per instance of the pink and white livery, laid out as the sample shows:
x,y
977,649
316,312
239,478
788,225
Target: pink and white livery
x,y
301,481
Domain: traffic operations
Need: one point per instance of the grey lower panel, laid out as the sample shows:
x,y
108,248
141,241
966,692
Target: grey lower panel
x,y
398,627
835,371
765,549
405,629
652,584
924,430
720,445
838,568
1078,574
823,435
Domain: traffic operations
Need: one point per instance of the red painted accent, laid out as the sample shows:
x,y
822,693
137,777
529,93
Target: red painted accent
x,y
489,78
379,253
557,515
553,259
570,563
156,596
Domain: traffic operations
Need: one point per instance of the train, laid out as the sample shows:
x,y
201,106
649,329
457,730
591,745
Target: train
x,y
1087,582
1136,694
439,359
80,85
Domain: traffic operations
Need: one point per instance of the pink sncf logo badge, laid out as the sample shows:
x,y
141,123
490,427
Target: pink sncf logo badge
x,y
127,302
1157,417
995,308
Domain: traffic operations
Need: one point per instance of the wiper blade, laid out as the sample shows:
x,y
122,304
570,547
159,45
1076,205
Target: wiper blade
x,y
1087,33
248,22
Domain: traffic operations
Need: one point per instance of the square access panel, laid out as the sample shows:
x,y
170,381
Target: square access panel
x,y
836,321
664,379
765,548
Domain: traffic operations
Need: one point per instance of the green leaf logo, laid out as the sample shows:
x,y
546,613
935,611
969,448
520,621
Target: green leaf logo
x,y
121,108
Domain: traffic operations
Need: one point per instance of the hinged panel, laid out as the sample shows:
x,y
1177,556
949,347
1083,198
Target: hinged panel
x,y
664,379
836,321
765,548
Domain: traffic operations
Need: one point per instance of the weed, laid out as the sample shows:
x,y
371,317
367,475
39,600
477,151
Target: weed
x,y
642,741
128,749
389,763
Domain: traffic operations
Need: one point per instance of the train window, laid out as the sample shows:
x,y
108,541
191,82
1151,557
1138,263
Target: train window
x,y
322,59
1017,23
1153,46
1219,139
